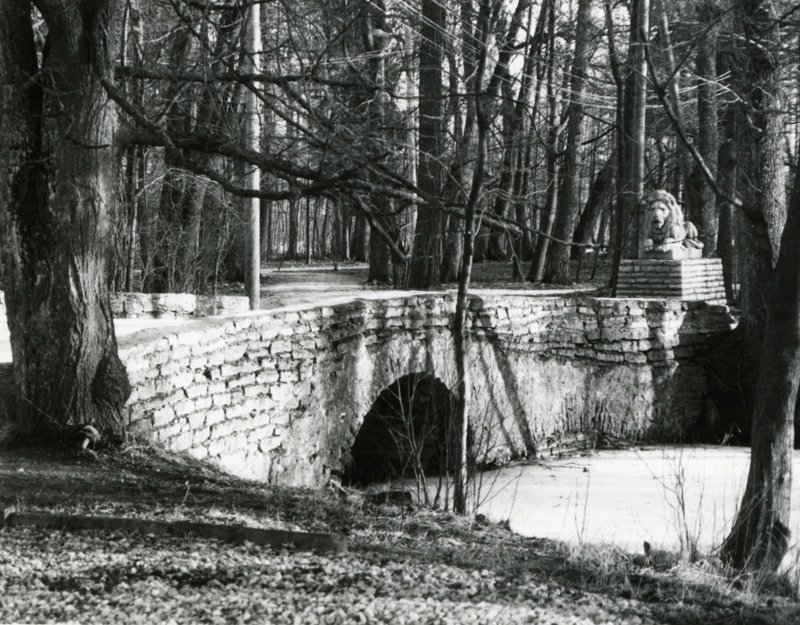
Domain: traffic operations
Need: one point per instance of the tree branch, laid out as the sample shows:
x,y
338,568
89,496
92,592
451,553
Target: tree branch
x,y
161,73
662,96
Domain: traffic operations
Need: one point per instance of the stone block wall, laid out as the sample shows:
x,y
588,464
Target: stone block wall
x,y
174,305
690,279
279,396
167,305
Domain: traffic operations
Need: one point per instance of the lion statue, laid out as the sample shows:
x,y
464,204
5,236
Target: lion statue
x,y
666,229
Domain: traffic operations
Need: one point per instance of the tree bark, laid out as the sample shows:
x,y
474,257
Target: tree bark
x,y
57,212
769,300
379,256
760,167
760,536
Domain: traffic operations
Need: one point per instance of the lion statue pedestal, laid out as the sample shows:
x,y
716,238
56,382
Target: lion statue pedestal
x,y
671,264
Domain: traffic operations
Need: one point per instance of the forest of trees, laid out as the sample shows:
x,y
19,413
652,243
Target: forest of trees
x,y
434,133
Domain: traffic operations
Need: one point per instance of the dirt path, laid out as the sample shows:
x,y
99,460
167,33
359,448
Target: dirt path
x,y
289,285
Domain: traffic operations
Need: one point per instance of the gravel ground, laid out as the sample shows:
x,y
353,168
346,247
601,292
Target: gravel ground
x,y
403,565
93,578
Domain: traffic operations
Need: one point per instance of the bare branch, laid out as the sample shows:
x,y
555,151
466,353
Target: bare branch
x,y
162,73
662,96
375,225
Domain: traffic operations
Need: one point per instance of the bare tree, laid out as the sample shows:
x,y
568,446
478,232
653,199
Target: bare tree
x,y
567,211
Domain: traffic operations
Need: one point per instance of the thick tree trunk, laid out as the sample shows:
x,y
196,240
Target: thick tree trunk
x,y
359,244
379,256
707,121
760,167
57,213
634,127
769,300
453,250
760,536
424,270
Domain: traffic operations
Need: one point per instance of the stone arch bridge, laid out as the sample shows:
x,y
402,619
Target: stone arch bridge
x,y
279,395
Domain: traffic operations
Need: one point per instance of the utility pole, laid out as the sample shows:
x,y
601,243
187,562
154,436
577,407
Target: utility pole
x,y
253,178
411,137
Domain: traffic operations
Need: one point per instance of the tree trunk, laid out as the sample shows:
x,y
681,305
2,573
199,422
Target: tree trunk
x,y
760,536
634,126
726,174
359,244
424,270
57,213
536,270
618,222
294,228
308,232
598,193
453,250
557,264
769,299
760,182
460,334
135,155
379,256
456,184
501,81
707,121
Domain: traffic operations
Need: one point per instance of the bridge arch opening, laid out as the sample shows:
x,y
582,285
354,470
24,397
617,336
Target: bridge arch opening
x,y
406,433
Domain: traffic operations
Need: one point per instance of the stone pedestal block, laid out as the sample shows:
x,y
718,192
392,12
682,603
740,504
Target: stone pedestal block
x,y
689,279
